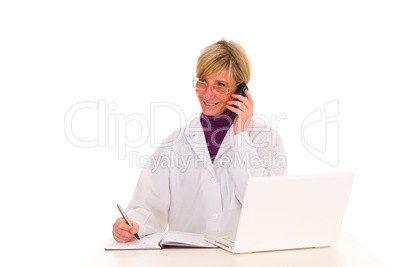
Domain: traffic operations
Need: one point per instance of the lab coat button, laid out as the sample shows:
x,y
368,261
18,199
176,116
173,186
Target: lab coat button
x,y
213,180
215,216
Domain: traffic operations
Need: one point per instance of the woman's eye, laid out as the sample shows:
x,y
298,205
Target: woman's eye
x,y
221,84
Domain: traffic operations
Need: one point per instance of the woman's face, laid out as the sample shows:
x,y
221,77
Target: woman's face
x,y
211,104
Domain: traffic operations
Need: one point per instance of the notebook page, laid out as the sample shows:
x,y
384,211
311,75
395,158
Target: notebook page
x,y
146,242
185,239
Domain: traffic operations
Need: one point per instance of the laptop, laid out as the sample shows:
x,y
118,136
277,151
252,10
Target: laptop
x,y
288,212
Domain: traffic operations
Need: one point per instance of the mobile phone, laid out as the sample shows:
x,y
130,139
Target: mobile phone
x,y
241,88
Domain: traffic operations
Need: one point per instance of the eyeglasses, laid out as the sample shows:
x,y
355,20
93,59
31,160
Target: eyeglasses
x,y
218,89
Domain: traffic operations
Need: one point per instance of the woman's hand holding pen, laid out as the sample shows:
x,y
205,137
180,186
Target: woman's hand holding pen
x,y
122,232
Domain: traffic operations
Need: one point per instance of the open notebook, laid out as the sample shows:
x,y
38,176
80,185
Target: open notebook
x,y
159,240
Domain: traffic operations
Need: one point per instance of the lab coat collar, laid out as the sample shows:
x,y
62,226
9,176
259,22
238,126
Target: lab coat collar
x,y
226,143
196,138
194,134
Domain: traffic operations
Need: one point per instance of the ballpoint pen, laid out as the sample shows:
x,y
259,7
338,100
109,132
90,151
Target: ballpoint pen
x,y
127,219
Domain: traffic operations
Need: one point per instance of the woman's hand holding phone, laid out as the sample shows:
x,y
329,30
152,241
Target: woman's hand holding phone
x,y
244,110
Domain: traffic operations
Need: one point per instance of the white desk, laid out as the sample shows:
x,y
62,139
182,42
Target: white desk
x,y
346,253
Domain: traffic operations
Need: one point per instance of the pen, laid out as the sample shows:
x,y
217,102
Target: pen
x,y
127,219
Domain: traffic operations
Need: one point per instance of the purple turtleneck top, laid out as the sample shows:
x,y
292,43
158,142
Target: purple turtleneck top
x,y
215,129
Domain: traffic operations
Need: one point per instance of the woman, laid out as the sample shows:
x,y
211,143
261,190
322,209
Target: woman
x,y
200,185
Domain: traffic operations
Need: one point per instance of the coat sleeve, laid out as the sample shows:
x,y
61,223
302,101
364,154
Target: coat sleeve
x,y
260,155
149,205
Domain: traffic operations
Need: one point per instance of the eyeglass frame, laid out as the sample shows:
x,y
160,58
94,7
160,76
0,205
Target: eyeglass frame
x,y
196,79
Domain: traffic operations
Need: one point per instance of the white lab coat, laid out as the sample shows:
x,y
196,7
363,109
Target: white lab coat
x,y
183,190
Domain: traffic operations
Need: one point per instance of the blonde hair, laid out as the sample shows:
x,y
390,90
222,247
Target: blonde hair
x,y
224,55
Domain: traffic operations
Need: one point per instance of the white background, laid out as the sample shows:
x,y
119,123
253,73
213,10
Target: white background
x,y
58,201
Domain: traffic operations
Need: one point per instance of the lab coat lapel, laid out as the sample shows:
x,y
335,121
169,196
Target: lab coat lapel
x,y
226,143
196,138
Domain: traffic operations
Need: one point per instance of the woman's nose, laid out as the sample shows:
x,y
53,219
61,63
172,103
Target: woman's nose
x,y
209,94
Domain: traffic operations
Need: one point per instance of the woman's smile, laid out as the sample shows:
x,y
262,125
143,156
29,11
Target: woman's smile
x,y
210,105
